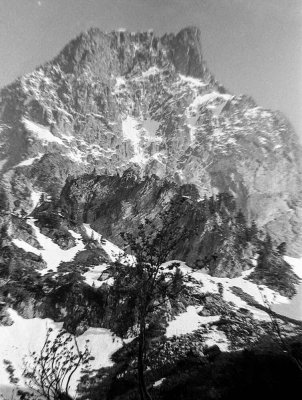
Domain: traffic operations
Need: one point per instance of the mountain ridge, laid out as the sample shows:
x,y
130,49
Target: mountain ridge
x,y
109,101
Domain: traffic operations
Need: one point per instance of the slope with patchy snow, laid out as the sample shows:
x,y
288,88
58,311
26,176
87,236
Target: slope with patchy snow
x,y
51,253
27,335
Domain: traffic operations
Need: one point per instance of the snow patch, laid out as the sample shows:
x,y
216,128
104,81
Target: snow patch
x,y
35,198
296,264
111,249
26,247
131,132
192,81
120,81
203,99
42,132
92,276
158,383
2,163
188,322
51,253
293,307
260,293
28,335
19,339
29,161
150,126
151,71
216,337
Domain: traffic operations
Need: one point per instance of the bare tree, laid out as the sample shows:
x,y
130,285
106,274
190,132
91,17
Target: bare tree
x,y
48,373
146,282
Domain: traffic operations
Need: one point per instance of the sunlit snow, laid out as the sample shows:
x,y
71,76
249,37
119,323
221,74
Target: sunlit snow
x,y
92,276
260,293
205,98
35,198
111,249
42,132
151,71
26,247
150,126
188,322
120,81
29,161
158,383
292,308
51,253
216,337
28,335
131,132
192,81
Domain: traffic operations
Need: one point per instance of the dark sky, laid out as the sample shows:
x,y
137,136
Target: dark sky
x,y
252,46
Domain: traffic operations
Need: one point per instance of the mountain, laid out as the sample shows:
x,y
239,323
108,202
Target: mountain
x,y
109,101
116,131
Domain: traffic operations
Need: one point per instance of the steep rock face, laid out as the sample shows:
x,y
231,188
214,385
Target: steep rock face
x,y
119,53
115,204
113,100
212,234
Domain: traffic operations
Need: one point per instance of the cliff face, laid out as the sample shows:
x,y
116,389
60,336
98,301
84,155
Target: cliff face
x,y
119,53
209,234
109,101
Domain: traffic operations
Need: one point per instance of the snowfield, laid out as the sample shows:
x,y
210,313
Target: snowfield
x,y
28,335
140,133
132,133
258,292
51,253
41,132
188,322
35,198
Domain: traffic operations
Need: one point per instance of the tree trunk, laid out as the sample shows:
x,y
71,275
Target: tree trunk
x,y
144,395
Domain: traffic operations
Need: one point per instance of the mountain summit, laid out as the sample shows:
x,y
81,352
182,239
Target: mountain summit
x,y
120,52
110,101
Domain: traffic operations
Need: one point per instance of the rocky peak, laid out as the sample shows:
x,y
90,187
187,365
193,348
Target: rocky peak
x,y
187,53
113,101
120,52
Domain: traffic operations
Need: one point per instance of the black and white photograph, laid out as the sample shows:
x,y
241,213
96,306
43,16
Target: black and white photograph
x,y
150,199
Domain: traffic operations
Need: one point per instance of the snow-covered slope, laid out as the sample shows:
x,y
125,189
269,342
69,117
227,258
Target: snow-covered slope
x,y
25,336
51,253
